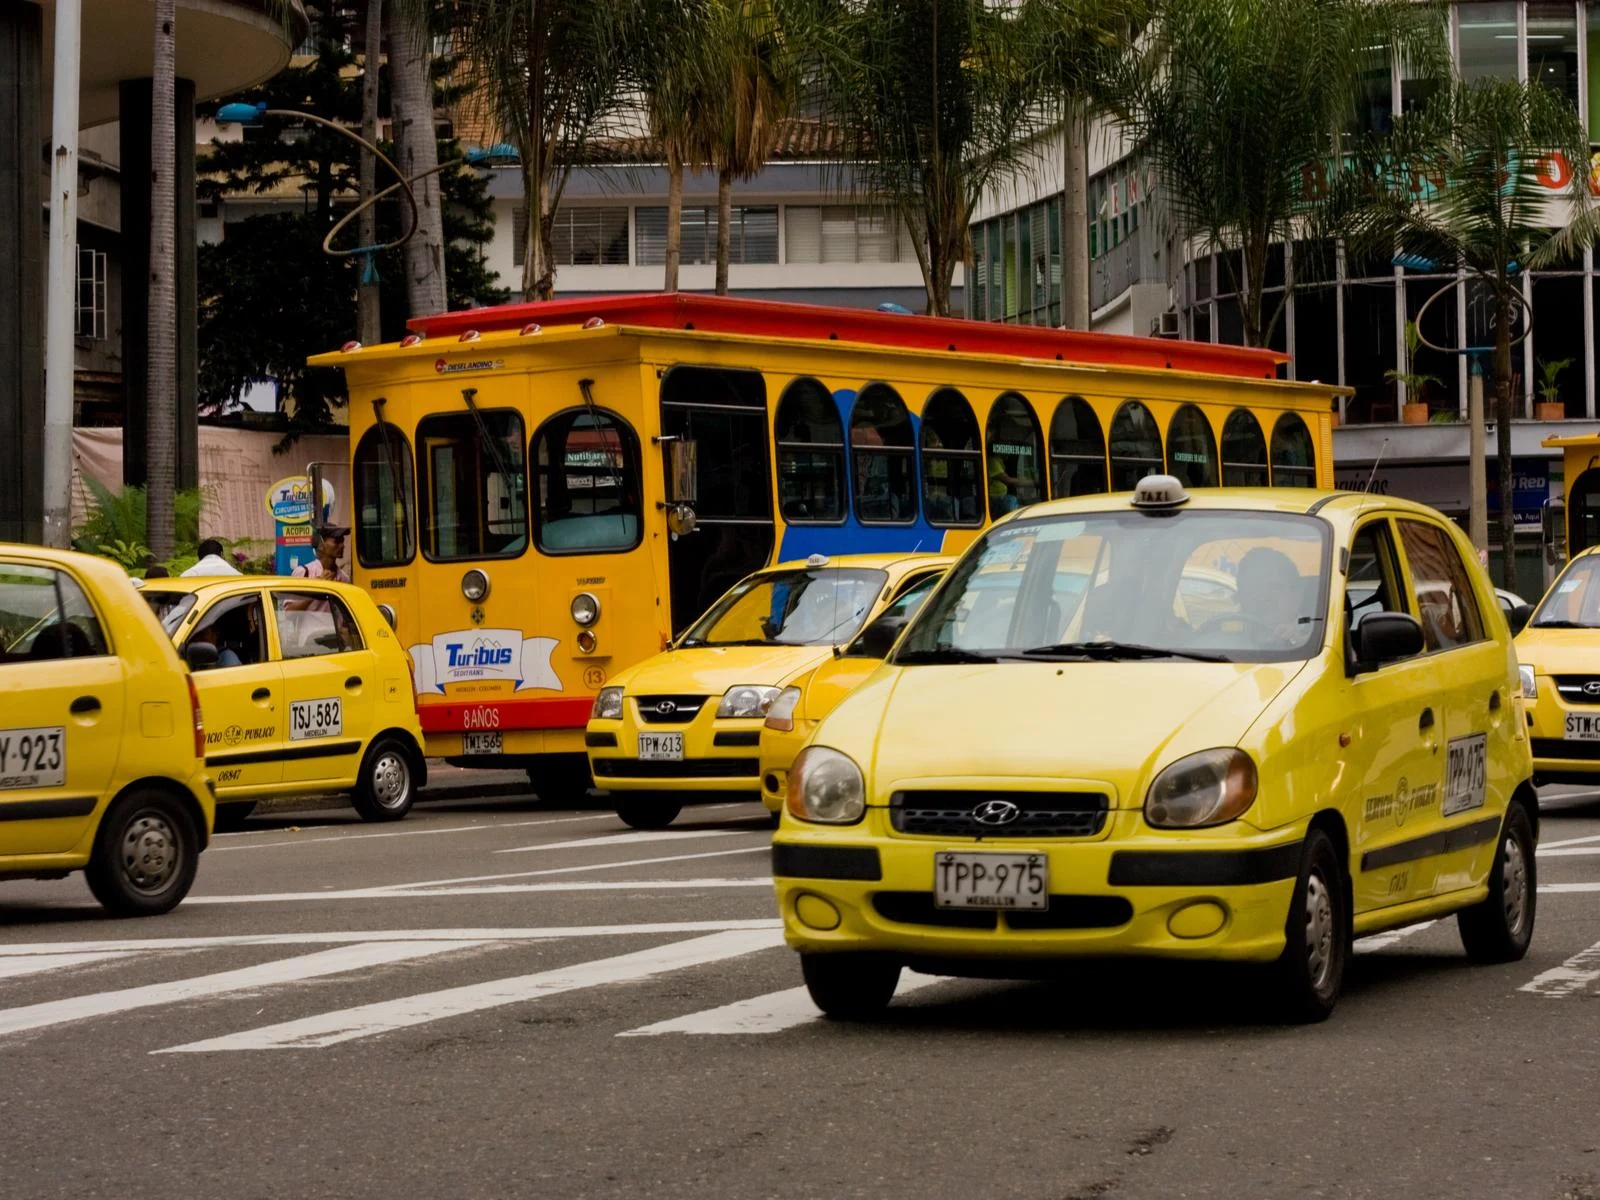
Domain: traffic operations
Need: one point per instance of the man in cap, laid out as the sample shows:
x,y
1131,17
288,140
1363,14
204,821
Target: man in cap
x,y
330,548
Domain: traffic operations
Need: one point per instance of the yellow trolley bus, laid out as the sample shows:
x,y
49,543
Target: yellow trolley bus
x,y
547,493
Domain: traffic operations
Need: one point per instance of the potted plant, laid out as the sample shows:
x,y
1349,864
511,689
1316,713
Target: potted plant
x,y
1415,410
1551,407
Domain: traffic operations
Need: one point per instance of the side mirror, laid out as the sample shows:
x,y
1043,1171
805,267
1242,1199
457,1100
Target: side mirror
x,y
1385,637
201,656
1518,617
877,639
683,475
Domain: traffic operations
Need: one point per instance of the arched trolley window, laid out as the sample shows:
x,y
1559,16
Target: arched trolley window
x,y
586,469
1016,452
952,461
1077,450
1192,448
883,453
1244,451
810,455
1294,460
386,531
1135,446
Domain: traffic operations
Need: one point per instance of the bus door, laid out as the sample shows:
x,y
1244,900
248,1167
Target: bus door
x,y
724,412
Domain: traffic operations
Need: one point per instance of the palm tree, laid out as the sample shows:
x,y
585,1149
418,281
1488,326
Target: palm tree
x,y
161,378
368,314
417,153
1467,180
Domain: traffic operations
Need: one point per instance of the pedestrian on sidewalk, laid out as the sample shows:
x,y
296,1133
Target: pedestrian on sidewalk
x,y
330,549
211,561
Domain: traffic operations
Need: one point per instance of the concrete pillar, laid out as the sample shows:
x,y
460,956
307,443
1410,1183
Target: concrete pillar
x,y
135,148
22,167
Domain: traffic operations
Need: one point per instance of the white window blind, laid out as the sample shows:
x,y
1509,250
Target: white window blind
x,y
802,227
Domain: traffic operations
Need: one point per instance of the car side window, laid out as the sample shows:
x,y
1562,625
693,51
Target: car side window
x,y
77,612
31,628
1446,603
312,625
1372,581
235,627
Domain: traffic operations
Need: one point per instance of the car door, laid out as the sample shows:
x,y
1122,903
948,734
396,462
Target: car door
x,y
241,698
1397,720
331,685
1479,700
62,710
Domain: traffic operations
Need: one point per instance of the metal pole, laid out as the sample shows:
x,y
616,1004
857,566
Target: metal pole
x,y
1477,463
62,285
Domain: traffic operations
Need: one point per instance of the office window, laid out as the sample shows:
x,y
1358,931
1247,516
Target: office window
x,y
579,237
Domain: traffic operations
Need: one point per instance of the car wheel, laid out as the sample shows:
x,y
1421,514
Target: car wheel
x,y
387,788
648,812
145,855
232,815
850,987
1499,928
1310,972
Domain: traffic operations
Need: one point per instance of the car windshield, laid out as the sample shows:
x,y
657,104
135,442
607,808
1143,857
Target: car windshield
x,y
1574,602
892,619
1220,586
170,608
812,607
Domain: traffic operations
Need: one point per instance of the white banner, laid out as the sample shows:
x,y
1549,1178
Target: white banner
x,y
470,655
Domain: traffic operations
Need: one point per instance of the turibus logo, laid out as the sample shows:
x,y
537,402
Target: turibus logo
x,y
481,653
472,655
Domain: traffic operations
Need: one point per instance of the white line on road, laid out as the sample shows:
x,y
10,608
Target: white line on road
x,y
14,965
1577,841
1568,851
357,837
369,1019
772,1013
1382,941
347,937
288,970
487,889
1572,976
605,866
628,839
1558,888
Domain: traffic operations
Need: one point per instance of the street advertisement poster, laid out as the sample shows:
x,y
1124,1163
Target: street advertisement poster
x,y
293,516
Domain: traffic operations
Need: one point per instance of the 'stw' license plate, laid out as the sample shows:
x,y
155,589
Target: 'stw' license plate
x,y
33,758
661,747
315,719
990,880
481,743
1582,727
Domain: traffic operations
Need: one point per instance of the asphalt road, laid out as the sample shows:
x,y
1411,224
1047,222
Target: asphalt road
x,y
492,999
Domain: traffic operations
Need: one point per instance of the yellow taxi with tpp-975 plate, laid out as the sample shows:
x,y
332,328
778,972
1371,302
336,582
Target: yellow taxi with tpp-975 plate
x,y
305,689
1071,752
101,741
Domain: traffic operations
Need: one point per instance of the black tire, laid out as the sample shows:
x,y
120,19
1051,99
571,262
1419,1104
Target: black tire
x,y
387,786
648,811
774,819
1310,973
561,781
231,815
1499,928
850,987
145,854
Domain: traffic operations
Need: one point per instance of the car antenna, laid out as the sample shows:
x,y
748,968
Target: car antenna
x,y
1374,472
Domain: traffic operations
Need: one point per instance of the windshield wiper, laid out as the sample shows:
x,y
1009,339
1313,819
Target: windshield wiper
x,y
1561,625
1118,651
942,654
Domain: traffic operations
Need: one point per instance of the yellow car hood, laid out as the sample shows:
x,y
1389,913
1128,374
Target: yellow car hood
x,y
712,670
1560,651
1111,722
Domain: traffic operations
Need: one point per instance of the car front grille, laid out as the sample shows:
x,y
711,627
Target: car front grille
x,y
669,710
1575,689
1065,912
947,813
1560,748
689,768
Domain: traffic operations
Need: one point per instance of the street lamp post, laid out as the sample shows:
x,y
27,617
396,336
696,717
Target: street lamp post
x,y
62,284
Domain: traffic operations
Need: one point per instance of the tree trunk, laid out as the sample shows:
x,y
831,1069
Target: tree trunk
x,y
161,391
533,236
1503,409
368,325
1075,305
417,146
674,252
1252,285
724,226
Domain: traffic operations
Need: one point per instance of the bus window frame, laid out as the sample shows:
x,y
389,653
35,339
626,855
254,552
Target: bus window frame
x,y
536,510
1155,466
527,529
1104,457
1041,453
910,451
1264,466
846,493
1295,471
413,513
1190,406
922,452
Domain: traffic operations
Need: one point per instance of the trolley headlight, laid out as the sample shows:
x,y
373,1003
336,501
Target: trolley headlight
x,y
780,715
1528,680
388,614
826,788
475,585
1208,788
585,609
607,705
747,700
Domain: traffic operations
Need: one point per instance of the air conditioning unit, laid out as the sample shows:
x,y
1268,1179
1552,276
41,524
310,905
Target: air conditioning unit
x,y
1165,326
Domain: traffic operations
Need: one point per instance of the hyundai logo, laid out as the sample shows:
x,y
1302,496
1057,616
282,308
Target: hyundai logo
x,y
1592,688
996,812
666,707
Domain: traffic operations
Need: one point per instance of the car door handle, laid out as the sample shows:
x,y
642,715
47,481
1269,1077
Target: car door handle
x,y
84,705
1426,722
353,682
261,694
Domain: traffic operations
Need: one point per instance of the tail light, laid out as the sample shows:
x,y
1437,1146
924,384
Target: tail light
x,y
199,724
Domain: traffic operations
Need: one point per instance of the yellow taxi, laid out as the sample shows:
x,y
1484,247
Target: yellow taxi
x,y
1044,769
101,743
798,708
1559,655
305,689
688,721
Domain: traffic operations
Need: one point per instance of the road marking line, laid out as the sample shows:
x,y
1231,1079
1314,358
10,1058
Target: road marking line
x,y
628,839
576,885
772,1013
1577,841
1382,941
605,866
1568,887
356,837
14,965
368,1020
288,970
349,937
1567,851
1572,976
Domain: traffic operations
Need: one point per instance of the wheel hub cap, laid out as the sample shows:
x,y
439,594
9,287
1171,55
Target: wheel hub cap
x,y
1514,876
149,852
390,780
1319,931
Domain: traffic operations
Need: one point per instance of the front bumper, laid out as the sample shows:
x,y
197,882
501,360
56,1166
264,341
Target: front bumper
x,y
1555,759
1207,894
778,750
718,755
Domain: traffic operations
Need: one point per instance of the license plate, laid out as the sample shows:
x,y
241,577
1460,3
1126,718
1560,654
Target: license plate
x,y
315,719
990,880
481,743
1583,727
33,758
1465,774
661,747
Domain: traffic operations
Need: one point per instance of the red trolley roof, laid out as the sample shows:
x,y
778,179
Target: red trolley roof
x,y
774,319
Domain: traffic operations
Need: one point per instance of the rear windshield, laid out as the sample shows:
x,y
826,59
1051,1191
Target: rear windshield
x,y
814,607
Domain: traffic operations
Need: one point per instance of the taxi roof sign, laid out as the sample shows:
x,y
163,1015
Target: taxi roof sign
x,y
1159,491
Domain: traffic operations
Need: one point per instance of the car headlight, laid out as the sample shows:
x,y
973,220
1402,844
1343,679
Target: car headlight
x,y
475,585
780,715
1207,788
747,700
585,609
1529,681
607,705
825,787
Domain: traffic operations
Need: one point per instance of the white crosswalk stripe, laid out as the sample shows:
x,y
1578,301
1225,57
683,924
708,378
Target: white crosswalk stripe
x,y
13,966
772,1013
1570,978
